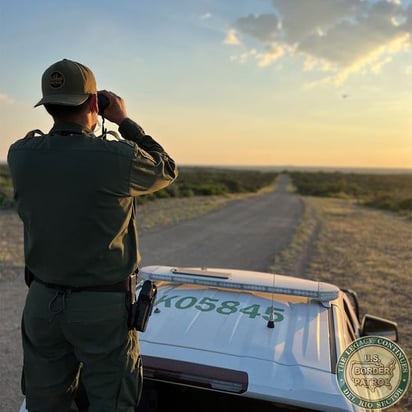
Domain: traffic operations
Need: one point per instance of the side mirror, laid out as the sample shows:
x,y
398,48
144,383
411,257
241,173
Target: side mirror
x,y
376,326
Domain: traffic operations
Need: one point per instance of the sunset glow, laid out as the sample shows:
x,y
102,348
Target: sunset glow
x,y
281,82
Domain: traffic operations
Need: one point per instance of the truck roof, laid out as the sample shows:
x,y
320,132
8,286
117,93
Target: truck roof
x,y
221,318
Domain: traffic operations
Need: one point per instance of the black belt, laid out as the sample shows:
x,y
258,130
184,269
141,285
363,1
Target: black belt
x,y
122,286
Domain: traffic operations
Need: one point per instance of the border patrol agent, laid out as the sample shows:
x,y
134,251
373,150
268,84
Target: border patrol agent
x,y
75,195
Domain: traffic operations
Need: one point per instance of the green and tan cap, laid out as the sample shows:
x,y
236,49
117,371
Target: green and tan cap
x,y
67,83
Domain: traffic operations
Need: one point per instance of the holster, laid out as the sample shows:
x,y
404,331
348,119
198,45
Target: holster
x,y
141,309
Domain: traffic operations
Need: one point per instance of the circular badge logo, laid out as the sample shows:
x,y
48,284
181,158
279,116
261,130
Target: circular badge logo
x,y
373,372
56,80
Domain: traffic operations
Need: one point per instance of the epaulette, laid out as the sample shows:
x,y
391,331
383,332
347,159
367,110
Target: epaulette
x,y
33,133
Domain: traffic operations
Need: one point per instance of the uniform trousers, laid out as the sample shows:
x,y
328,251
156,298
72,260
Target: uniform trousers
x,y
64,332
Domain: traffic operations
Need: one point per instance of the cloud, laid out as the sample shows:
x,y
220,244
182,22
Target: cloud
x,y
5,99
263,27
272,53
340,37
231,38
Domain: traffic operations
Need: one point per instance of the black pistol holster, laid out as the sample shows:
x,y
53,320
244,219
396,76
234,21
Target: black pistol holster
x,y
141,309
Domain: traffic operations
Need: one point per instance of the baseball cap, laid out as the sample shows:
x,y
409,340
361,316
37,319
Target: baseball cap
x,y
67,83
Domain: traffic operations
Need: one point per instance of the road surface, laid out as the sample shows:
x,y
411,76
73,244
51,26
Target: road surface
x,y
246,234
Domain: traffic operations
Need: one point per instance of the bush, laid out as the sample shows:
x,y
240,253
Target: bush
x,y
389,192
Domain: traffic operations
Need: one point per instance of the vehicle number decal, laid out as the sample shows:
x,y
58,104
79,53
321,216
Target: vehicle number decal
x,y
222,307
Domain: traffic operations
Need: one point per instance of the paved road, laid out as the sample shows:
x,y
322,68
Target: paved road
x,y
246,234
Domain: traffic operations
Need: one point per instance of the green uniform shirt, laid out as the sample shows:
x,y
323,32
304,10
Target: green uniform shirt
x,y
75,194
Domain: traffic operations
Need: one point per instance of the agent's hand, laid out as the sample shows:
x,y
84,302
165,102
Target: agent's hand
x,y
116,111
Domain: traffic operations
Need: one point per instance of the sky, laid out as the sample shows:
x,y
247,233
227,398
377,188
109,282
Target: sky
x,y
323,83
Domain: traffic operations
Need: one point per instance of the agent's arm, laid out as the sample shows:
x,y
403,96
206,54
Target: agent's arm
x,y
152,168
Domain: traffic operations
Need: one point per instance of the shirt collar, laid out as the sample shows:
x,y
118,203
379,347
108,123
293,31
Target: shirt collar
x,y
69,128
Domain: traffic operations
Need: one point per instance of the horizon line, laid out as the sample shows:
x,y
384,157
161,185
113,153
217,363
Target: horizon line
x,y
268,166
291,166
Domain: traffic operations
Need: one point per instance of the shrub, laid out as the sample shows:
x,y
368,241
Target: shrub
x,y
391,192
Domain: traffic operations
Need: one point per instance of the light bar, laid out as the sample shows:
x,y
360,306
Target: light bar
x,y
324,293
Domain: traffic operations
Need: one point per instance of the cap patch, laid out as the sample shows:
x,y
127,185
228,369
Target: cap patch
x,y
56,80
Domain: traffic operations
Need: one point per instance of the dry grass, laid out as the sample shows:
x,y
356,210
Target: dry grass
x,y
11,245
366,250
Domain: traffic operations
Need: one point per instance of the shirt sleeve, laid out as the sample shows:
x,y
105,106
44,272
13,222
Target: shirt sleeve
x,y
152,168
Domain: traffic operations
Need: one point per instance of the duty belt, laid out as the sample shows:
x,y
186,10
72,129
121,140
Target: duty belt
x,y
122,286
